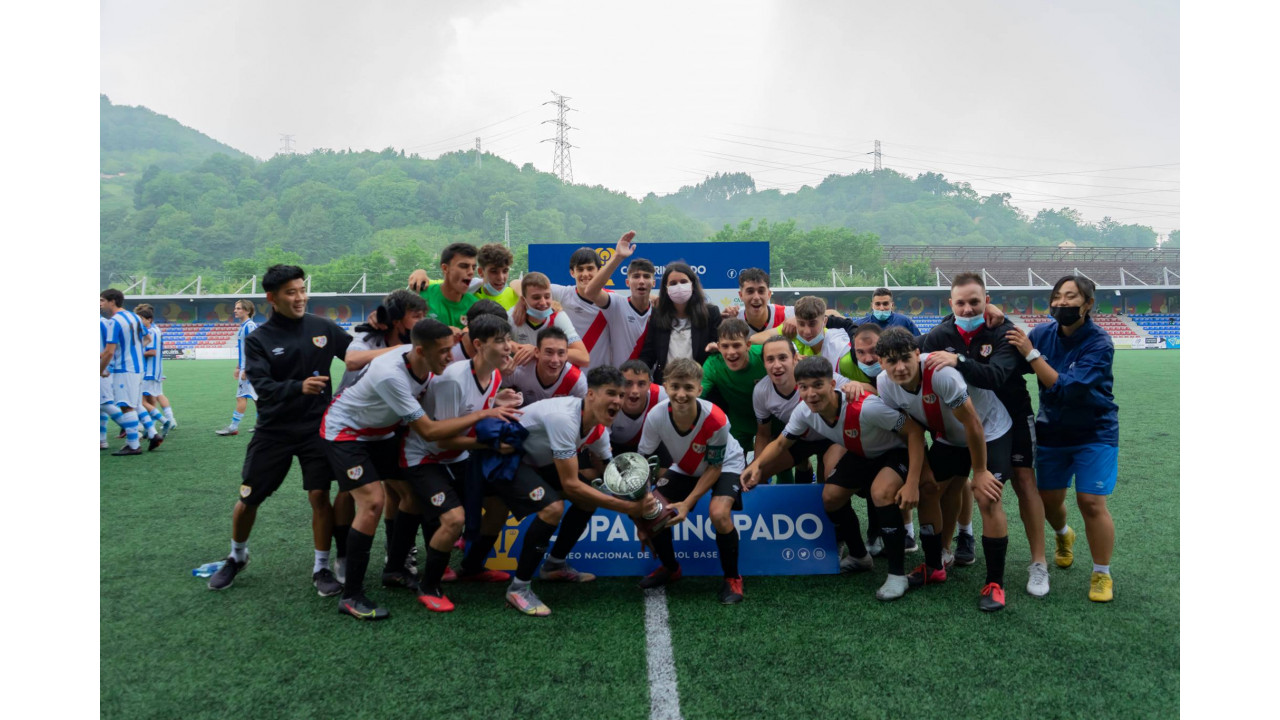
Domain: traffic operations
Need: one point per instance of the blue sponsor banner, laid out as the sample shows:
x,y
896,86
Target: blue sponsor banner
x,y
783,531
717,263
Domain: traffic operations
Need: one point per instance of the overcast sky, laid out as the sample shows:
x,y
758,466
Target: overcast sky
x,y
1057,103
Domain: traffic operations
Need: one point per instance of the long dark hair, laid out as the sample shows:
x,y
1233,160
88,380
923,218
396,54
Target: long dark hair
x,y
696,309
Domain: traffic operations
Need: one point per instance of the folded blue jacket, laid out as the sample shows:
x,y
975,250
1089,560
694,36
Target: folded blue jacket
x,y
489,465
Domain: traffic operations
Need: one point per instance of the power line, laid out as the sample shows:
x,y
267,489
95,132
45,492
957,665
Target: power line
x,y
286,145
561,164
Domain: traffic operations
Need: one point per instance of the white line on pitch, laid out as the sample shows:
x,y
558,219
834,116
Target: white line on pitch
x,y
664,695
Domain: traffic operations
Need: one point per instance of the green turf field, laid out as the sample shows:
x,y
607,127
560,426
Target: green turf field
x,y
798,647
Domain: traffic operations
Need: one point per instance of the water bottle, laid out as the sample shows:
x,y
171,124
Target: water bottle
x,y
208,569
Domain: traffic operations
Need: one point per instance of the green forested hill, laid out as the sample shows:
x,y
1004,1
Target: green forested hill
x,y
188,205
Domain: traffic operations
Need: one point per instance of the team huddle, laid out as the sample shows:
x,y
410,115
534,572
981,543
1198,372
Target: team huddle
x,y
470,398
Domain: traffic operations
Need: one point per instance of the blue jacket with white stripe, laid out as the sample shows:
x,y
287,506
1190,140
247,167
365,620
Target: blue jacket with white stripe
x,y
1080,408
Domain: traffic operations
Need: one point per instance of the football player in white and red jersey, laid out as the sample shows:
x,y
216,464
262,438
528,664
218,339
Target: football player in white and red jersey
x,y
877,449
628,318
971,430
775,397
360,428
588,320
757,304
537,315
639,395
550,375
560,431
696,435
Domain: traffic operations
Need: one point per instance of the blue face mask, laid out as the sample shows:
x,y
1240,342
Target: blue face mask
x,y
871,371
538,315
969,324
881,314
491,289
817,339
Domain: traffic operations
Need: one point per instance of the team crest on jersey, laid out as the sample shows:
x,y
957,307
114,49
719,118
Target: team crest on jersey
x,y
437,499
931,398
356,472
536,494
662,481
851,432
699,448
985,351
320,340
245,490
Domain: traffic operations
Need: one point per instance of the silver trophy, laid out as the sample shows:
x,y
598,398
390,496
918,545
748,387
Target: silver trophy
x,y
630,476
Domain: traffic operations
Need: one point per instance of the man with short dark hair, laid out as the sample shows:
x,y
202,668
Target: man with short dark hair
x,y
978,350
289,358
639,395
729,377
448,300
757,303
494,263
628,318
551,374
883,313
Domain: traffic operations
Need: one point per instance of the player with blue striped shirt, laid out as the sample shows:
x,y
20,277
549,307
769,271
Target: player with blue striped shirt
x,y
153,397
104,383
244,311
123,355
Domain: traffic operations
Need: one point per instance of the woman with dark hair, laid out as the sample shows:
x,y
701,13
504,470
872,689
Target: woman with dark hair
x,y
1078,427
682,324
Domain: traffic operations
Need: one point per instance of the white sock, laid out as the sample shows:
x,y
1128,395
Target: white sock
x,y
1104,569
239,550
967,529
322,561
553,560
911,529
518,584
1063,530
168,414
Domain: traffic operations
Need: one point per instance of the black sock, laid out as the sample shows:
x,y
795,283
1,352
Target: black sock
x,y
535,546
848,531
932,542
664,548
340,533
404,533
575,520
889,518
473,562
389,528
433,568
873,527
429,528
727,544
994,549
358,545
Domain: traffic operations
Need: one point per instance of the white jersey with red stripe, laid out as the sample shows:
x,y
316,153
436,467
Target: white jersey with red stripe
x,y
387,395
933,404
527,334
625,431
572,381
866,426
626,328
367,341
454,393
588,320
769,403
707,443
777,315
556,432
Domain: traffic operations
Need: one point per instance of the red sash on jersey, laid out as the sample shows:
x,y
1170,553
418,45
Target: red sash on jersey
x,y
426,456
635,351
592,336
348,434
852,434
488,399
653,397
693,457
932,405
591,437
779,315
570,379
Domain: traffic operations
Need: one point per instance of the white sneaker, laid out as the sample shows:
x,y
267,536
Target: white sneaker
x,y
1038,580
102,445
895,586
850,564
340,570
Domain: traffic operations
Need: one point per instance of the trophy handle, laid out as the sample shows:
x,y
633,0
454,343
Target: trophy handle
x,y
653,470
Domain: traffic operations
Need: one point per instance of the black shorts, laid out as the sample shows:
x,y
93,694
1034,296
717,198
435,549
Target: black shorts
x,y
437,486
1024,441
530,491
675,487
857,473
950,461
269,456
802,450
357,463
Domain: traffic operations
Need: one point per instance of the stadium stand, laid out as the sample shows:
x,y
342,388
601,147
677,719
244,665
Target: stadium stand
x,y
185,336
1161,325
1019,266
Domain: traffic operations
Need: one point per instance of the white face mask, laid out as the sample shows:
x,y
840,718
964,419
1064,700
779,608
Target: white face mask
x,y
681,293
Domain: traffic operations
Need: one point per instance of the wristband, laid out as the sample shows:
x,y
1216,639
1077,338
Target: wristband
x,y
1031,356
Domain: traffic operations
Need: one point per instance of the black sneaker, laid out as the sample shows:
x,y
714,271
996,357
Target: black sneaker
x,y
909,545
362,608
326,584
126,450
226,574
965,549
660,577
154,442
730,591
400,579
